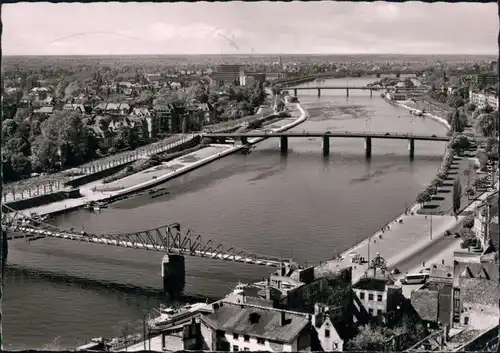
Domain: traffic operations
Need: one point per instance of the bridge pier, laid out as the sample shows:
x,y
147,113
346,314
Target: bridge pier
x,y
284,144
173,271
319,92
371,92
295,92
326,146
368,147
244,140
411,148
347,92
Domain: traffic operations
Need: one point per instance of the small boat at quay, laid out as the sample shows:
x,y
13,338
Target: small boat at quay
x,y
169,316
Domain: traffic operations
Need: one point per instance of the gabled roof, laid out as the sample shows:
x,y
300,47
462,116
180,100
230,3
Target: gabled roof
x,y
266,324
425,303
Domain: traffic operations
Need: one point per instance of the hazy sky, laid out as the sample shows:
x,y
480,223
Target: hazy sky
x,y
236,27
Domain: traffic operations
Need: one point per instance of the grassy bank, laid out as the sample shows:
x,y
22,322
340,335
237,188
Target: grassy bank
x,y
152,161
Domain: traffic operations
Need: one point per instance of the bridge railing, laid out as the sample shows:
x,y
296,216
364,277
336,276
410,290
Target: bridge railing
x,y
167,238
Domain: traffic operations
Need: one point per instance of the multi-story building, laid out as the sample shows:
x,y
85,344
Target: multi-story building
x,y
483,99
274,76
490,79
486,224
228,75
376,293
246,327
243,327
476,295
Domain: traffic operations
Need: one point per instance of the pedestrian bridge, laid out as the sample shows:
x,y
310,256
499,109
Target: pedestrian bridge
x,y
166,239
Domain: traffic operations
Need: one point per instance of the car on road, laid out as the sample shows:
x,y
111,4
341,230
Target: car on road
x,y
387,134
456,235
433,135
447,233
425,270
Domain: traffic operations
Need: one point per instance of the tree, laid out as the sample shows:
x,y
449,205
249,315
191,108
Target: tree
x,y
423,197
460,143
487,123
44,154
456,196
370,339
468,222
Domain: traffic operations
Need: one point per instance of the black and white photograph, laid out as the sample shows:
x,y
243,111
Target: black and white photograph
x,y
249,176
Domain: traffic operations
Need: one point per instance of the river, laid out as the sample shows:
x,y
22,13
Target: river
x,y
301,205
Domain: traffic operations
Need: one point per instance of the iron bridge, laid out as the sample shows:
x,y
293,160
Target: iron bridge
x,y
168,239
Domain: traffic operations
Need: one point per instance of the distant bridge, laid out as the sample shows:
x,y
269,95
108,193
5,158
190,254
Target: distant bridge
x,y
348,88
368,136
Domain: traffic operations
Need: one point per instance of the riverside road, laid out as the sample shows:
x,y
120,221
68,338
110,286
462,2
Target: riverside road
x,y
300,205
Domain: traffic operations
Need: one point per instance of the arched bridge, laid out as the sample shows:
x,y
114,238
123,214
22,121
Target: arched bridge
x,y
167,239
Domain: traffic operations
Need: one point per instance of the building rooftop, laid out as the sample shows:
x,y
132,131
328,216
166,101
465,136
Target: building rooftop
x,y
425,303
480,291
368,283
441,272
257,321
474,270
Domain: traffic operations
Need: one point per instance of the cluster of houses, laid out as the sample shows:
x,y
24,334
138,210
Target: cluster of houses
x,y
105,118
294,311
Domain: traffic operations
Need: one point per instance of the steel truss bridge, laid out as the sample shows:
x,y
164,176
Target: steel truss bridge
x,y
167,239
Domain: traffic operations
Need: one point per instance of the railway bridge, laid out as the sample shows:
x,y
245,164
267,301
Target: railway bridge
x,y
167,239
326,136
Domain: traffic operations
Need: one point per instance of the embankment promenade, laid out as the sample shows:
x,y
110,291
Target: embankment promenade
x,y
402,237
100,192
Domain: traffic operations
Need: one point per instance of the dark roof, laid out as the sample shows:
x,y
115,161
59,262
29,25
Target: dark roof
x,y
480,291
425,303
472,270
236,318
374,284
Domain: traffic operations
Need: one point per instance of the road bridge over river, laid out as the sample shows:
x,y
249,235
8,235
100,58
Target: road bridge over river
x,y
368,136
168,239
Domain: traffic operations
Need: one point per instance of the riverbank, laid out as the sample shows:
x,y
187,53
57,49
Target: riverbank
x,y
403,236
150,177
407,105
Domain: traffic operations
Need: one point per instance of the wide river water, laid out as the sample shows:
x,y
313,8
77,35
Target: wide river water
x,y
301,205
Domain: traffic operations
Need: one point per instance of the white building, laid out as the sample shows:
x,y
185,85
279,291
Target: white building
x,y
482,99
242,327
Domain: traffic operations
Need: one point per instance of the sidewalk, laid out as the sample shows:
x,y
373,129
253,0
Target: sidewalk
x,y
98,192
401,241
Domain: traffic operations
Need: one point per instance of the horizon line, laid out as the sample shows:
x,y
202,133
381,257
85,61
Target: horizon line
x,y
256,54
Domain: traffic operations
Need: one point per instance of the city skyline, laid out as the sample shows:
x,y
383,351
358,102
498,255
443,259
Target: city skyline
x,y
249,28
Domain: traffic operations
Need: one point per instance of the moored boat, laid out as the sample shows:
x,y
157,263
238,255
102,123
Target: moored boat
x,y
169,316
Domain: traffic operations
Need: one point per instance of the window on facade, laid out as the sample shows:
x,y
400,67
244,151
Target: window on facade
x,y
361,295
466,320
370,311
246,349
335,346
379,297
370,296
246,338
327,333
379,312
236,348
261,341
